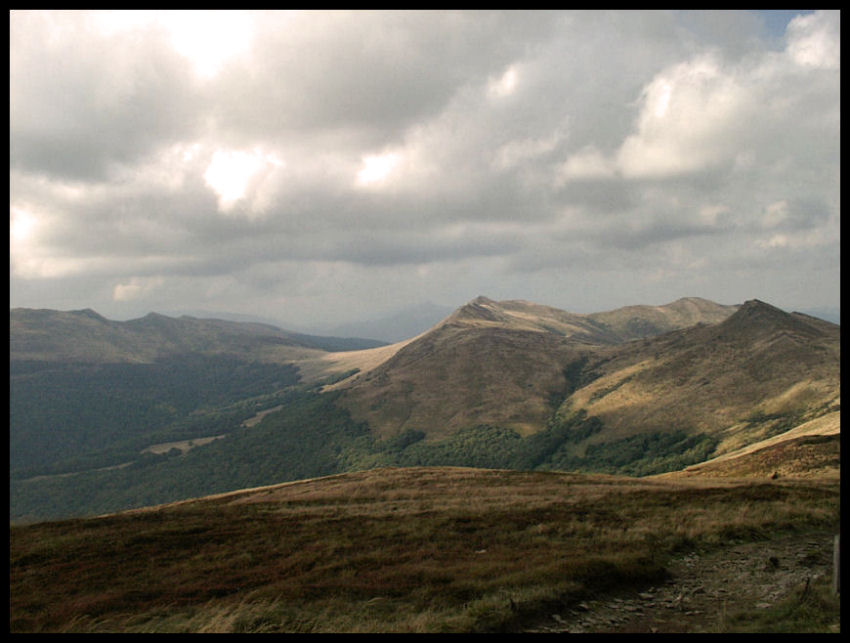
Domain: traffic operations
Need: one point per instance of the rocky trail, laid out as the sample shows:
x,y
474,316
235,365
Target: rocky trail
x,y
704,587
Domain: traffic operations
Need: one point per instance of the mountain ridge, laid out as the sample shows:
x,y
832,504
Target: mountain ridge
x,y
498,362
87,336
509,384
756,372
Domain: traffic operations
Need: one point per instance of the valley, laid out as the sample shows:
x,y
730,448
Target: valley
x,y
184,405
512,463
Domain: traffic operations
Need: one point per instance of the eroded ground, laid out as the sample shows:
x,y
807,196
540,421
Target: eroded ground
x,y
706,587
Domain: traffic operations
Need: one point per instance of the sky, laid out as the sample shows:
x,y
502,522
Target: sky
x,y
321,167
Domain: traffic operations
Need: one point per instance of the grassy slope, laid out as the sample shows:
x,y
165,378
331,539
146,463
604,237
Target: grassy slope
x,y
499,363
761,371
453,378
406,550
503,363
810,450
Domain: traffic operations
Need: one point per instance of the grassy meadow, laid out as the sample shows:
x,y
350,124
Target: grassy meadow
x,y
428,549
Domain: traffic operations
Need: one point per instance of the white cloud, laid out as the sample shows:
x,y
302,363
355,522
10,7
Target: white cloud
x,y
519,151
587,163
504,85
776,241
376,169
207,39
236,174
814,40
714,214
22,225
775,214
136,288
692,116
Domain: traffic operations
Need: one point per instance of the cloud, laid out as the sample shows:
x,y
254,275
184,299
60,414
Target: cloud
x,y
692,117
235,174
814,40
135,288
83,102
346,154
587,163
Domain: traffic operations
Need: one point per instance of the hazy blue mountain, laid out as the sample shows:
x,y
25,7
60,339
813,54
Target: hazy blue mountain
x,y
398,326
322,341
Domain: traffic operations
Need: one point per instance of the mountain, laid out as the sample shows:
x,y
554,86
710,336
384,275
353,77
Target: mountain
x,y
832,315
109,415
636,322
236,477
88,392
86,336
503,363
758,371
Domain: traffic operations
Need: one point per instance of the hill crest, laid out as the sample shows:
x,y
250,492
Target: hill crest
x,y
86,336
500,362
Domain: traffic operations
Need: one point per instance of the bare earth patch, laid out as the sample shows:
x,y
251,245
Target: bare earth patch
x,y
704,588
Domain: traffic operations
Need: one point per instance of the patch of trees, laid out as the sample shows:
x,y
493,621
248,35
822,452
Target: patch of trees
x,y
639,455
70,417
555,448
303,440
311,436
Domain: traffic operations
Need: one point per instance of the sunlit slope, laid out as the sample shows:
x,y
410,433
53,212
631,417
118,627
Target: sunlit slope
x,y
810,450
636,322
760,372
506,363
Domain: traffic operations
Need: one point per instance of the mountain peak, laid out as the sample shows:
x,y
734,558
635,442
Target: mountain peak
x,y
755,308
757,316
91,314
480,308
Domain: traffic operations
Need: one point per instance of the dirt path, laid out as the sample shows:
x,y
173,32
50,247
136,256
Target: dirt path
x,y
703,587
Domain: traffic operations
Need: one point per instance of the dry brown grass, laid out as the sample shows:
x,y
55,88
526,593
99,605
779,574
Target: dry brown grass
x,y
393,550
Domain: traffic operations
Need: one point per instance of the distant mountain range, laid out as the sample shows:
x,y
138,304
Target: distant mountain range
x,y
502,384
395,327
86,336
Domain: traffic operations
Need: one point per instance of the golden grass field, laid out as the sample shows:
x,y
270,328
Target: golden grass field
x,y
391,550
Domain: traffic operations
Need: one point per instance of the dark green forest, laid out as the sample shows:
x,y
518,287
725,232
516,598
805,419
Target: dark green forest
x,y
72,417
309,437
